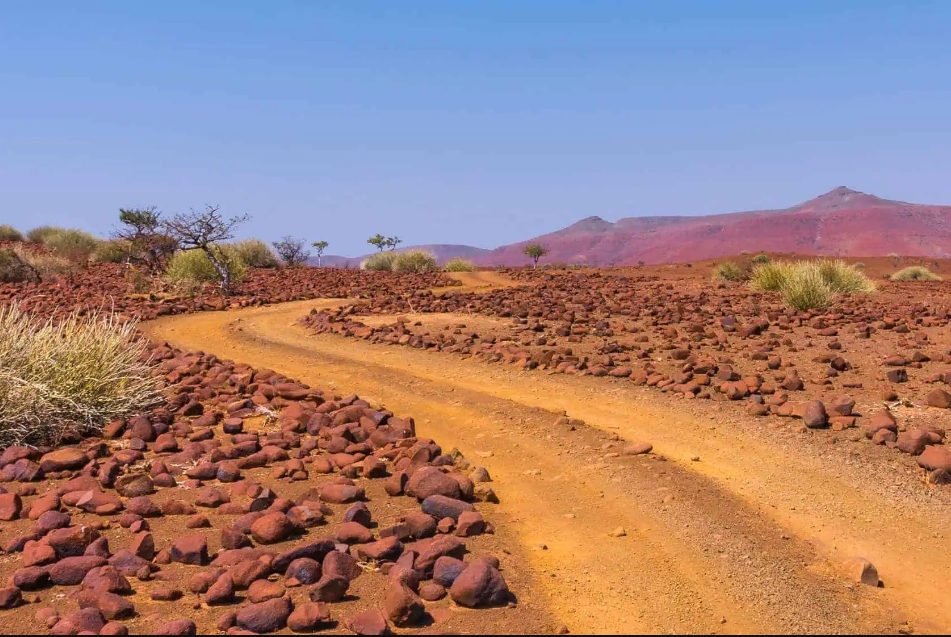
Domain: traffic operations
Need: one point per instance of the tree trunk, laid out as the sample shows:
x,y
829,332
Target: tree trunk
x,y
224,273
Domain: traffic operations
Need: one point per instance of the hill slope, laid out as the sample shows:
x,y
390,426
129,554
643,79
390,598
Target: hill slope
x,y
443,252
842,222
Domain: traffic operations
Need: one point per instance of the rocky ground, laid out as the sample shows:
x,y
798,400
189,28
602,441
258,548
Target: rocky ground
x,y
247,502
876,367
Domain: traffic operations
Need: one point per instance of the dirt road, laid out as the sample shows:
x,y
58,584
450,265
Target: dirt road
x,y
717,531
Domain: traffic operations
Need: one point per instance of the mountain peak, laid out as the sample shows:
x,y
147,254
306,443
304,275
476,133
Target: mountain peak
x,y
592,224
838,198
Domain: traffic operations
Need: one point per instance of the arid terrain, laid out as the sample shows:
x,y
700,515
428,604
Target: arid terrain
x,y
607,450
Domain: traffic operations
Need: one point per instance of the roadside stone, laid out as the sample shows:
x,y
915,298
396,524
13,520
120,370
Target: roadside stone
x,y
863,572
190,549
480,585
265,617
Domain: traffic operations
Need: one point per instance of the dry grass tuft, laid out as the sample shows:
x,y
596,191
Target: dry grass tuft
x,y
915,273
69,377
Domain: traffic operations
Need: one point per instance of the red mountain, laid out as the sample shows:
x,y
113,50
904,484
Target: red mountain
x,y
842,222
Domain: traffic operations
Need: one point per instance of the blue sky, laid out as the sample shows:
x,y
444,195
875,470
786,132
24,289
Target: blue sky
x,y
464,122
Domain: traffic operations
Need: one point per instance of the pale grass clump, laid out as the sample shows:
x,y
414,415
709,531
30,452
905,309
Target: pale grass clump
x,y
192,268
44,265
728,271
458,264
381,261
9,233
807,285
69,377
915,273
414,261
254,253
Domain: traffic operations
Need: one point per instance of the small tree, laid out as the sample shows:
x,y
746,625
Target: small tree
x,y
141,231
319,247
392,242
378,241
535,251
291,251
202,230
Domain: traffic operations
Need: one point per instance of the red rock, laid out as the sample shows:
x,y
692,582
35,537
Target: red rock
x,y
330,588
134,486
353,533
84,621
176,627
266,617
402,606
190,549
31,578
70,571
370,622
447,569
341,493
309,617
65,459
107,579
432,592
480,585
10,506
341,565
814,415
428,481
939,398
166,593
114,628
37,554
109,604
935,457
272,528
262,590
441,507
304,571
470,524
10,597
222,591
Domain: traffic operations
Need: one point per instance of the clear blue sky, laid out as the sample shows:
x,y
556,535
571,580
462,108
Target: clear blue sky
x,y
465,122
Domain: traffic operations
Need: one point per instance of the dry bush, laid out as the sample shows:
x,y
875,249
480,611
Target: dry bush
x,y
75,245
71,377
915,273
458,264
46,265
769,277
843,278
760,259
729,271
190,268
13,269
382,261
254,253
41,233
9,233
806,289
113,251
414,261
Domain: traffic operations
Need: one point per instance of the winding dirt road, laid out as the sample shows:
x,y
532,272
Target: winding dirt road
x,y
724,531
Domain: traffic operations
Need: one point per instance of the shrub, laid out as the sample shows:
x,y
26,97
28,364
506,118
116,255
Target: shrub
x,y
414,261
379,261
254,253
915,273
458,264
843,278
760,258
67,378
806,289
44,264
40,234
728,271
769,277
75,245
13,269
193,267
114,251
291,251
9,233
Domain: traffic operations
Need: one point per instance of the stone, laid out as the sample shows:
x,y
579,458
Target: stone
x,y
330,588
353,533
10,506
470,524
10,597
637,448
309,617
71,571
221,592
440,507
65,459
272,528
304,571
84,621
432,592
939,398
480,585
863,572
369,622
266,617
72,541
429,481
447,569
176,627
262,590
935,457
814,415
190,549
341,493
111,606
134,486
402,606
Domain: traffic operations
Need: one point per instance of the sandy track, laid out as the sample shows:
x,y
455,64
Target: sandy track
x,y
750,538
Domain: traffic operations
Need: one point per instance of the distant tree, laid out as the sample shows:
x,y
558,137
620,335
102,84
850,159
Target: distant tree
x,y
378,241
535,251
392,242
141,230
291,251
203,230
320,246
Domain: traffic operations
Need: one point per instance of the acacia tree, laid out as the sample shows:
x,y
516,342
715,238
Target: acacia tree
x,y
378,241
319,247
141,230
291,251
203,230
392,242
535,251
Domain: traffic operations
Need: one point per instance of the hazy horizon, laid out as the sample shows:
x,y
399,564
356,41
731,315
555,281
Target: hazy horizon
x,y
466,123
